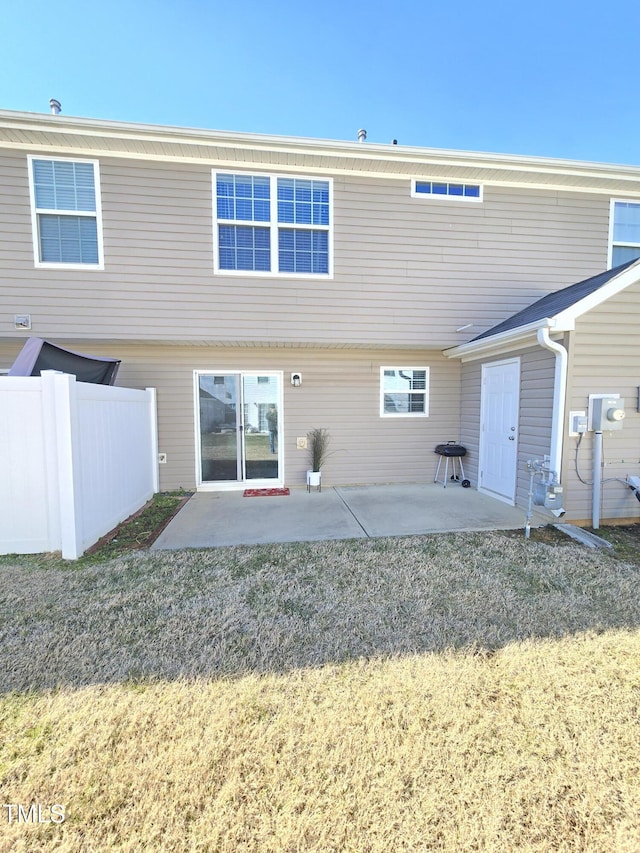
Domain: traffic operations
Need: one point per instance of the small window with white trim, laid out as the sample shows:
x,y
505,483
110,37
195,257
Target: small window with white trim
x,y
404,391
65,208
446,190
624,232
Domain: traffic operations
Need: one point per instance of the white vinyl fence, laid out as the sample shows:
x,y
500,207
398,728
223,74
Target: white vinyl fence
x,y
76,459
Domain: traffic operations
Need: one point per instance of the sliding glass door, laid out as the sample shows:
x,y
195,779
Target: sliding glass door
x,y
239,427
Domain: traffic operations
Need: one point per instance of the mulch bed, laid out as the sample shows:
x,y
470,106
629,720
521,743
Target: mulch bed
x,y
121,529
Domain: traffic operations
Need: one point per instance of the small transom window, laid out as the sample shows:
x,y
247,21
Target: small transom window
x,y
451,190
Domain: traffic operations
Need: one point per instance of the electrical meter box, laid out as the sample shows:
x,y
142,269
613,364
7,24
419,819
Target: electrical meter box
x,y
607,413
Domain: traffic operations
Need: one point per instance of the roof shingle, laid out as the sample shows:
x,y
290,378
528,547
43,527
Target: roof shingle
x,y
554,303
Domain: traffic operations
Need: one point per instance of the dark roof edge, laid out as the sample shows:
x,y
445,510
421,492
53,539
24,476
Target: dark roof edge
x,y
556,301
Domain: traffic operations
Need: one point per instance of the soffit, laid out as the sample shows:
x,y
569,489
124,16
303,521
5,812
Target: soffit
x,y
57,134
82,342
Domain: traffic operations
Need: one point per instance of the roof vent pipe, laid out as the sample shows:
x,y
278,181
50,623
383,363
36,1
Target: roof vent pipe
x,y
362,135
56,106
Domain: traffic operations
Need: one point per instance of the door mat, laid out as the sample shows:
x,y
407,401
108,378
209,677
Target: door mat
x,y
264,493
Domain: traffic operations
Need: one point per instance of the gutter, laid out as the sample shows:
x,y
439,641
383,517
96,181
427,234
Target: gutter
x,y
420,157
559,398
512,337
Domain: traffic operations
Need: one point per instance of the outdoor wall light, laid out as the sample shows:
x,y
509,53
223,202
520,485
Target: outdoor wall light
x,y
296,379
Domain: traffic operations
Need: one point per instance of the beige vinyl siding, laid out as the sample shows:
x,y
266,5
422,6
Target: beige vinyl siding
x,y
470,385
8,352
537,368
16,246
340,392
606,359
536,413
407,271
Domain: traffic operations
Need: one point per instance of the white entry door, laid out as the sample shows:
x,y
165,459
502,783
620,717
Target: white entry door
x,y
499,404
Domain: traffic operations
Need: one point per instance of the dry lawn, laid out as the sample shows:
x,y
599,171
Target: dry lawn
x,y
456,693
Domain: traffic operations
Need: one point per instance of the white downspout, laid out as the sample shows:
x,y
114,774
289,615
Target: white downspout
x,y
559,398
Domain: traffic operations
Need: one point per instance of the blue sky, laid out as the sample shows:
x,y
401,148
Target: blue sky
x,y
556,79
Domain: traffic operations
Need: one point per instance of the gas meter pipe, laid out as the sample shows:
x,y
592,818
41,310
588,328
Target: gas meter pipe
x,y
597,479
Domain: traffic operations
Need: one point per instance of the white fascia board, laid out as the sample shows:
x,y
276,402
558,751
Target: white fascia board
x,y
504,341
255,167
46,123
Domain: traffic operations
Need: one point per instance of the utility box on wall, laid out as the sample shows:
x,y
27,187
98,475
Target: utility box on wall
x,y
607,413
548,495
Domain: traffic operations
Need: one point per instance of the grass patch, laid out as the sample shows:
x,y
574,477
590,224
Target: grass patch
x,y
275,608
452,692
531,749
625,539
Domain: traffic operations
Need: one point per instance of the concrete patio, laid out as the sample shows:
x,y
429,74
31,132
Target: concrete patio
x,y
211,519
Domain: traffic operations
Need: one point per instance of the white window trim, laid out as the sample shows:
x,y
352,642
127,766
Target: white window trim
x,y
424,414
97,213
272,224
432,197
612,208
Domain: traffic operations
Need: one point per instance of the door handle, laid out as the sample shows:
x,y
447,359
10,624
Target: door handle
x,y
512,438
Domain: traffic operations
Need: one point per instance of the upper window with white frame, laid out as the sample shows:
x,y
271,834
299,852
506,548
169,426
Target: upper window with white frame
x,y
624,231
272,225
65,206
446,190
404,391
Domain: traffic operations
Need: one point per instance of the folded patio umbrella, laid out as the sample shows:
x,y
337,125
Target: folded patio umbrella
x,y
37,355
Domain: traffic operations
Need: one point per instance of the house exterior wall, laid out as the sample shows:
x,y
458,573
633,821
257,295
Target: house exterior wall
x,y
537,368
407,271
605,359
340,391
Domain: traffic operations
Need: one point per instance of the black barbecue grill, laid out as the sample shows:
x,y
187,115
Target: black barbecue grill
x,y
454,452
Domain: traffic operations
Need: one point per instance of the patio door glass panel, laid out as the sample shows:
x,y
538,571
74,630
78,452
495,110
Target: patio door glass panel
x,y
239,423
261,398
220,451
